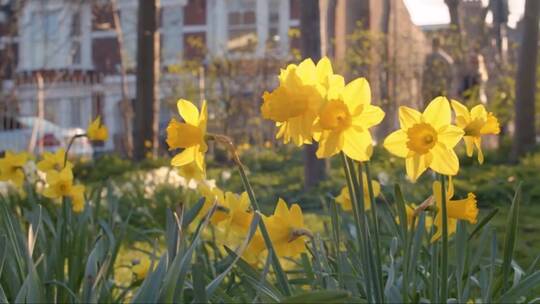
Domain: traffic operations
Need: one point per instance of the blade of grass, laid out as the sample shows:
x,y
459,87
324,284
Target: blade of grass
x,y
510,238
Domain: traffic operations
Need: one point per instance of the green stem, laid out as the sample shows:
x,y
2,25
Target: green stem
x,y
375,221
280,274
352,186
71,140
444,252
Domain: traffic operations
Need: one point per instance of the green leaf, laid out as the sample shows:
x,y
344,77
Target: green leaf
x,y
147,293
181,264
521,289
320,296
510,237
252,228
199,283
483,222
402,213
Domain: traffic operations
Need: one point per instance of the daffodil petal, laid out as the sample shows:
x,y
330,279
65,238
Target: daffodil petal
x,y
469,145
396,143
356,93
460,110
445,161
438,112
415,166
478,112
369,117
478,144
184,157
324,69
450,135
408,117
330,144
188,111
356,145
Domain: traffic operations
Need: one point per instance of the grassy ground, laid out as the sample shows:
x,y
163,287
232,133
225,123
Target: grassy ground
x,y
279,173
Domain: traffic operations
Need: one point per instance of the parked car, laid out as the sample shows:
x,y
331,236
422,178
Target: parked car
x,y
16,133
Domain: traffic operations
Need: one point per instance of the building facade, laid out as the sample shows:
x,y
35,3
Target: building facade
x,y
73,46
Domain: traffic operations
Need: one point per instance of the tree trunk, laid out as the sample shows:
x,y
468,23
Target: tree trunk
x,y
314,168
524,121
125,105
147,102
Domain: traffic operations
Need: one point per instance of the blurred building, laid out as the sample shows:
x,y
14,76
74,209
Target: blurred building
x,y
73,46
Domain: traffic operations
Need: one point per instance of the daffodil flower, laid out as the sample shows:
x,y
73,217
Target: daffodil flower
x,y
53,161
426,140
60,184
344,199
463,209
475,124
214,196
192,172
188,135
286,229
345,119
140,268
11,168
240,213
97,131
295,103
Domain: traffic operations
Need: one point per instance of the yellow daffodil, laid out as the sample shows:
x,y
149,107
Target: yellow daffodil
x,y
344,198
287,230
463,209
426,140
60,184
53,161
192,172
214,196
475,124
188,135
140,269
240,213
295,103
96,131
11,167
344,122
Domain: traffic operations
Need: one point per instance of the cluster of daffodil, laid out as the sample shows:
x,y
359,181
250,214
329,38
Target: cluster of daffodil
x,y
55,166
234,212
312,103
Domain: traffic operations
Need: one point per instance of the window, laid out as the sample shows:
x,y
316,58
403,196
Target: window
x,y
128,21
55,35
171,34
76,106
76,38
273,23
242,26
45,38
